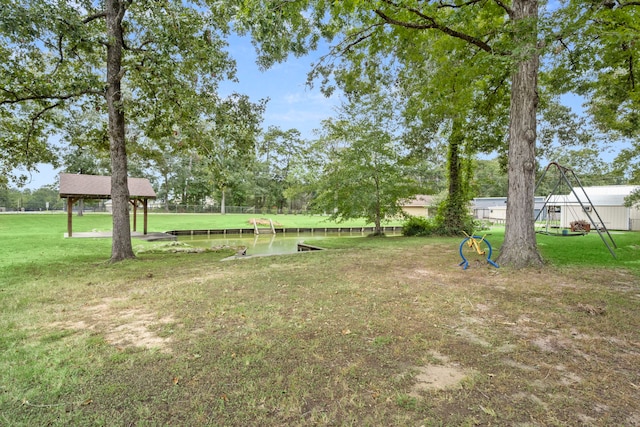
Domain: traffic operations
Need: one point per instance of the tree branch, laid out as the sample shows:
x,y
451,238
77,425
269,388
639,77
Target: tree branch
x,y
570,55
34,119
18,99
506,8
344,47
98,15
363,35
629,3
443,5
139,49
432,24
61,55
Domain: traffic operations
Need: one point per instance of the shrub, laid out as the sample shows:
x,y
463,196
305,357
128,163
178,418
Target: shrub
x,y
416,226
453,218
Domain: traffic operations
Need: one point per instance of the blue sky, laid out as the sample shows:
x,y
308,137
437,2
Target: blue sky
x,y
292,103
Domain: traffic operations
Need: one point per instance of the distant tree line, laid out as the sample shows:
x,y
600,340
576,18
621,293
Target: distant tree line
x,y
269,185
43,199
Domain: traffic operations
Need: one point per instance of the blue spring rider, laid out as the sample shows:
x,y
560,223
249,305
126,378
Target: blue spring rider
x,y
478,245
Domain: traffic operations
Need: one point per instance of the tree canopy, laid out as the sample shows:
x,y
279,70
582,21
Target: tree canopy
x,y
365,175
598,58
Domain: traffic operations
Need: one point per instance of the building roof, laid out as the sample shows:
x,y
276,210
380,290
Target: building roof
x,y
99,187
488,202
605,195
419,201
501,202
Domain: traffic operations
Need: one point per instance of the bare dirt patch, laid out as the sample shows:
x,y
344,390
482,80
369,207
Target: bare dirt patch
x,y
122,326
437,376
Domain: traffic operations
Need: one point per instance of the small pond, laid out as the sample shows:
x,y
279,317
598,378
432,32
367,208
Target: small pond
x,y
264,244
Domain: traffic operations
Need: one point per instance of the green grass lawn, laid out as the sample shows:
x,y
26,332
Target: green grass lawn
x,y
588,250
375,331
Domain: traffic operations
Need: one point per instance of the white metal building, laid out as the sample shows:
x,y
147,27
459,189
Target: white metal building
x,y
608,201
495,208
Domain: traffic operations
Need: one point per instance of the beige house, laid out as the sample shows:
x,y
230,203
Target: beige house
x,y
420,206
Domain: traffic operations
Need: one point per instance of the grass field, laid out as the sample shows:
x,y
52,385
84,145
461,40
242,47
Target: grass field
x,y
374,331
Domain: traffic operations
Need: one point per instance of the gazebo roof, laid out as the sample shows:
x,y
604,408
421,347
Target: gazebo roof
x,y
81,186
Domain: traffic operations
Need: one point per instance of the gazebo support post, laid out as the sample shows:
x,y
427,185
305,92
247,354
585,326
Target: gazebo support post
x,y
145,205
70,201
134,202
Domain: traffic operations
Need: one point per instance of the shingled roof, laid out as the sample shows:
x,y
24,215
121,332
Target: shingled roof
x,y
99,187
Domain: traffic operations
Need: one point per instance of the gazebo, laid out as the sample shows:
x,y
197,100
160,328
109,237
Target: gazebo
x,y
74,187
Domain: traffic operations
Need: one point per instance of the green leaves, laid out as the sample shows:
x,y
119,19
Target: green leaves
x,y
365,176
55,68
598,57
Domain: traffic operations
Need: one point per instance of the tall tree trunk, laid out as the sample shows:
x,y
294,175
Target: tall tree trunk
x,y
519,248
452,213
378,209
454,175
166,192
223,202
121,247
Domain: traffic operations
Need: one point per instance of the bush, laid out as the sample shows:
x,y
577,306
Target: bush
x,y
453,218
416,226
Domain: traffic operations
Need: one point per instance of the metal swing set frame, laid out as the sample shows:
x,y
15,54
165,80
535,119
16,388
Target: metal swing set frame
x,y
565,176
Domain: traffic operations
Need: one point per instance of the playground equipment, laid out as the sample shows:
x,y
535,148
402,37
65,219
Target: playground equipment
x,y
475,247
265,229
557,210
